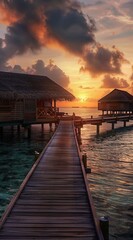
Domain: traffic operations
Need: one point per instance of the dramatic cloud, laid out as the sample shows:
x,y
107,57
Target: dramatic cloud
x,y
113,82
39,23
51,70
21,35
128,8
36,24
114,18
99,60
132,74
110,22
70,29
17,69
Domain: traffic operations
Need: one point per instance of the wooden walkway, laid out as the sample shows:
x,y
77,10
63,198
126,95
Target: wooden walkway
x,y
98,121
53,202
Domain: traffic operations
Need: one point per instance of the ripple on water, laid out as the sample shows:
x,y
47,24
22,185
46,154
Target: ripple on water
x,y
111,159
16,158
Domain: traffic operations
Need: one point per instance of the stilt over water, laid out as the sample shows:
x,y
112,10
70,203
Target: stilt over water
x,y
53,201
98,121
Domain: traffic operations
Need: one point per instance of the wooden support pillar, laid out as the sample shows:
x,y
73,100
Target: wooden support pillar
x,y
56,124
124,123
27,131
104,225
84,159
98,129
113,124
42,127
79,131
55,107
1,131
50,126
36,155
78,134
18,129
73,116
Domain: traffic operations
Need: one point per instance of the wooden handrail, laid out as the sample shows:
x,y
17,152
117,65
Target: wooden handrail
x,y
90,200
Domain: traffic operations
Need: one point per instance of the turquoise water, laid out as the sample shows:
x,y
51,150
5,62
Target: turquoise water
x,y
110,157
17,155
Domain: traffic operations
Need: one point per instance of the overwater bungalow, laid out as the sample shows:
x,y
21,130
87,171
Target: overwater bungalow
x,y
116,102
25,97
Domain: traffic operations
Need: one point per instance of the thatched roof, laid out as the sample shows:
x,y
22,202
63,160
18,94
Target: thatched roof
x,y
117,96
16,85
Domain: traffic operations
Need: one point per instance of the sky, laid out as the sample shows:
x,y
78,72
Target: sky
x,y
85,46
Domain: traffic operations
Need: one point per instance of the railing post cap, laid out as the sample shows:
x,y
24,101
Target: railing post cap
x,y
104,219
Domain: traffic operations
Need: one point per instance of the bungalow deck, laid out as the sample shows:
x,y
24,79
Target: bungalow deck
x,y
54,201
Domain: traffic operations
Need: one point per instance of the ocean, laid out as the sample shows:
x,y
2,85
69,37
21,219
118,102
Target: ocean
x,y
109,155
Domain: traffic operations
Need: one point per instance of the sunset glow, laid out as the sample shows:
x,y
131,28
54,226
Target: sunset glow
x,y
84,46
82,99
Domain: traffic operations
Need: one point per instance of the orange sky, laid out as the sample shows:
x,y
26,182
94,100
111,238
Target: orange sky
x,y
89,58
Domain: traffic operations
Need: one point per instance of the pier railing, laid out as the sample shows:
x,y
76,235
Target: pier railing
x,y
98,121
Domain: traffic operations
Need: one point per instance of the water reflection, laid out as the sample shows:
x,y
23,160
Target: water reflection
x,y
110,157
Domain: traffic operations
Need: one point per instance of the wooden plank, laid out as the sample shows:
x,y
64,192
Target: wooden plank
x,y
48,238
53,202
47,225
42,232
48,220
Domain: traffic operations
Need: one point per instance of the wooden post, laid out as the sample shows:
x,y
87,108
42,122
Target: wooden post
x,y
73,116
36,155
79,131
42,127
124,123
78,134
104,225
84,159
113,125
55,107
18,129
1,131
50,125
81,123
98,128
27,132
56,124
